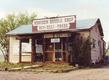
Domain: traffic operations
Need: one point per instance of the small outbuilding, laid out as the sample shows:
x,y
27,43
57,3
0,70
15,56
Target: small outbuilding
x,y
57,39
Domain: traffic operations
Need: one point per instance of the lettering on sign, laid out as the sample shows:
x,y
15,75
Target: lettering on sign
x,y
57,35
54,23
55,40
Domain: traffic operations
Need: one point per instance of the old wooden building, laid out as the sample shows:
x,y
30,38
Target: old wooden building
x,y
57,39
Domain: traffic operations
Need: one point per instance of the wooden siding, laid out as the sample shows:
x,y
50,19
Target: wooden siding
x,y
16,54
14,50
97,44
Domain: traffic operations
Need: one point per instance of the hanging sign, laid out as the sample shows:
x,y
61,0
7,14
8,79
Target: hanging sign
x,y
55,40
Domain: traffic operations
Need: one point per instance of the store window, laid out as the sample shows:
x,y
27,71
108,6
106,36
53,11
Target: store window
x,y
26,45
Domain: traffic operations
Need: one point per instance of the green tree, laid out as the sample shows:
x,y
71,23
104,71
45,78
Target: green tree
x,y
9,23
81,50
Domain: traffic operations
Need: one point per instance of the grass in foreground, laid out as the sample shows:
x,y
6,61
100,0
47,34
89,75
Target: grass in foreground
x,y
49,67
55,68
11,65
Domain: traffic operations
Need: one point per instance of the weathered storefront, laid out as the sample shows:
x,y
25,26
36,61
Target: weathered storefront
x,y
51,40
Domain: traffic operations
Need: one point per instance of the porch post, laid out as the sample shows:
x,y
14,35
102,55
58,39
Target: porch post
x,y
67,49
43,60
62,49
33,50
20,50
54,52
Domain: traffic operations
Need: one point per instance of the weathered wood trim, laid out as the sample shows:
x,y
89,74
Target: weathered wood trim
x,y
62,48
43,50
9,50
54,52
20,50
33,50
66,45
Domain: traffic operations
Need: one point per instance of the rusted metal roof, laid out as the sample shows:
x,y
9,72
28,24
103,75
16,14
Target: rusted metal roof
x,y
80,25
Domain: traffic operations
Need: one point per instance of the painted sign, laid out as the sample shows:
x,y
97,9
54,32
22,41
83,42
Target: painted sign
x,y
55,35
55,40
54,23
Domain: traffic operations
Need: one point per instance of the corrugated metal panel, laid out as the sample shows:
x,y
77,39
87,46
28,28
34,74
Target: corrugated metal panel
x,y
27,29
21,30
87,23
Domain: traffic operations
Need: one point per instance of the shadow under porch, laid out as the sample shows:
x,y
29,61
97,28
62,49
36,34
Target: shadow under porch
x,y
47,48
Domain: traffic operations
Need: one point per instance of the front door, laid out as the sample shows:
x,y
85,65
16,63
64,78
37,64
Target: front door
x,y
58,51
39,50
53,49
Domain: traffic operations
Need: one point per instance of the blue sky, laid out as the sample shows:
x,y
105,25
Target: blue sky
x,y
82,8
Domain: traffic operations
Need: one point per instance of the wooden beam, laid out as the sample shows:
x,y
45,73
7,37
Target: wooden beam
x,y
22,37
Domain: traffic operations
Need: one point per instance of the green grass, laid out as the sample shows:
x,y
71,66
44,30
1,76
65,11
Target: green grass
x,y
11,65
48,67
55,68
107,54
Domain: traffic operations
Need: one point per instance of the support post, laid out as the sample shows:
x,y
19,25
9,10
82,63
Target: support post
x,y
20,50
33,50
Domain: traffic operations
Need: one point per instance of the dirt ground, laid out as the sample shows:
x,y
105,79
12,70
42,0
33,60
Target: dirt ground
x,y
83,74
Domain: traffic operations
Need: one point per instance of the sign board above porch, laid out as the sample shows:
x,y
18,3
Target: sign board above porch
x,y
54,23
55,35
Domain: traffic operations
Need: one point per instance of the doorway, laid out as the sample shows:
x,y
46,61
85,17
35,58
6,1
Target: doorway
x,y
54,49
58,51
39,50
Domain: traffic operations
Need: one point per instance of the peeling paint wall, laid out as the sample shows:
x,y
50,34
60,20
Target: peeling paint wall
x,y
14,50
97,45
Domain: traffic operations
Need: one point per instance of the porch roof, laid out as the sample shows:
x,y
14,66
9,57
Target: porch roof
x,y
80,25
